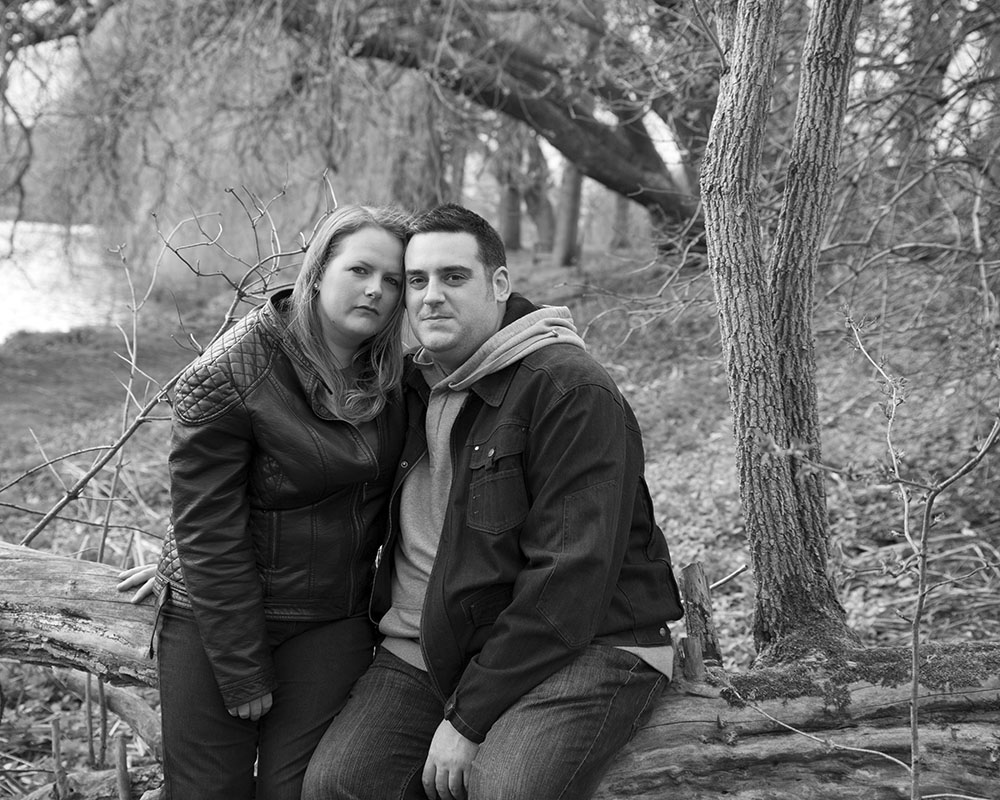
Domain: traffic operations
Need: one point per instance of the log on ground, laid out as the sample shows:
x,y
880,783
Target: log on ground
x,y
66,612
838,728
848,739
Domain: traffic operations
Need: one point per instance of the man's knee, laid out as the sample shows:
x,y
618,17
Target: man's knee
x,y
493,779
328,779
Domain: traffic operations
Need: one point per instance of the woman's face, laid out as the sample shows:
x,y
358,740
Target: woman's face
x,y
359,290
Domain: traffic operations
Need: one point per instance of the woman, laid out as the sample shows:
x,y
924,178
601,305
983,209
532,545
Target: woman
x,y
284,440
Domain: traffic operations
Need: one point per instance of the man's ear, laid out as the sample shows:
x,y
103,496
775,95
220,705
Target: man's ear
x,y
501,284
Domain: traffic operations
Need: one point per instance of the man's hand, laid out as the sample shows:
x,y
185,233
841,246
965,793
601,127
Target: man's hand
x,y
449,762
253,710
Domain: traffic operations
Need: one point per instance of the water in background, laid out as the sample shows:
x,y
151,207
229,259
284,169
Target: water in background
x,y
52,282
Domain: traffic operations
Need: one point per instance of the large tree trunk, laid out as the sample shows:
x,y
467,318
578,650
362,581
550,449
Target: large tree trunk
x,y
766,324
837,728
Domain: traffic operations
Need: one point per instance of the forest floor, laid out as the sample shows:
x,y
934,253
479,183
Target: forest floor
x,y
656,333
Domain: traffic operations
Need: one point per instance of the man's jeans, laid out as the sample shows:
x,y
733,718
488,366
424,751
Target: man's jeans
x,y
209,754
555,742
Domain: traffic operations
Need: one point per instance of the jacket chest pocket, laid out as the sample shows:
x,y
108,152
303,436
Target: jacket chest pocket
x,y
498,499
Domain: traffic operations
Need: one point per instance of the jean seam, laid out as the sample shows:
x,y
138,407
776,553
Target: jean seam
x,y
597,734
409,779
660,679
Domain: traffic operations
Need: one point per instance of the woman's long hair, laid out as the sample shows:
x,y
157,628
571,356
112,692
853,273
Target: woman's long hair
x,y
378,362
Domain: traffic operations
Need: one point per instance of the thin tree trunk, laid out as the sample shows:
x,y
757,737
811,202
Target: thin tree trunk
x,y
509,216
564,250
621,236
827,59
536,198
456,163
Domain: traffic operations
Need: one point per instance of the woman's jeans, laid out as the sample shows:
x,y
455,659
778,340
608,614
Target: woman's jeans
x,y
209,754
555,742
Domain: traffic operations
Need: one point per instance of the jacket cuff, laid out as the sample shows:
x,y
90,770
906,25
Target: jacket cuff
x,y
250,689
451,714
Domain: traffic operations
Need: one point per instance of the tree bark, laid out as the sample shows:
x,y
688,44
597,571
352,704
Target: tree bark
x,y
66,612
765,315
827,58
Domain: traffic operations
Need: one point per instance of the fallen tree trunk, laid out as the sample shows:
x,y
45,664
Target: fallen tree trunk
x,y
66,612
834,730
851,744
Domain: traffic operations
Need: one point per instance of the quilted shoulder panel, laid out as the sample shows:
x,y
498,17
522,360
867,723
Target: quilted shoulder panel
x,y
230,367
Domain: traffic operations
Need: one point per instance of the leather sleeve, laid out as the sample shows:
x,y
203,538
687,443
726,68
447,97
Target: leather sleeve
x,y
211,449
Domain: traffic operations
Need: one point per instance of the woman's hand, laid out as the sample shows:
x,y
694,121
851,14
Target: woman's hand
x,y
141,576
253,710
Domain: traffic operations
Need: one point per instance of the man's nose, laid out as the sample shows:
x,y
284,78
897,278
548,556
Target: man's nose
x,y
433,294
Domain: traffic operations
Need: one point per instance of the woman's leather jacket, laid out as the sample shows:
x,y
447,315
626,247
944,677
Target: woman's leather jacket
x,y
278,508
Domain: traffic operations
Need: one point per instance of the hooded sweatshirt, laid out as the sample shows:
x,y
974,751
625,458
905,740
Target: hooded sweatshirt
x,y
425,492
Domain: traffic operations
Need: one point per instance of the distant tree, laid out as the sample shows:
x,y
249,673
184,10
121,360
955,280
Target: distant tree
x,y
536,197
565,249
582,75
621,237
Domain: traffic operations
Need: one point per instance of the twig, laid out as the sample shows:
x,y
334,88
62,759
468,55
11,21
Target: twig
x,y
729,577
121,769
61,786
74,492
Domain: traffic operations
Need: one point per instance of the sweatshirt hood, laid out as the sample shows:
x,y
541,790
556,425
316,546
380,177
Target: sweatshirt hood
x,y
540,328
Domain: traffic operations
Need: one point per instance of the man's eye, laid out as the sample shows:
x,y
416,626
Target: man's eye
x,y
416,282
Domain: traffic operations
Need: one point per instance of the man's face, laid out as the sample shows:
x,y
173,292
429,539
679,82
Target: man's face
x,y
451,305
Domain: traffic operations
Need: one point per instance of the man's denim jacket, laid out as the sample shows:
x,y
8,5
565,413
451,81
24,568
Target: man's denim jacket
x,y
549,542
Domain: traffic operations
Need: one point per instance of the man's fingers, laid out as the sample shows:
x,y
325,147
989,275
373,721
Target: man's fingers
x,y
442,782
457,785
427,779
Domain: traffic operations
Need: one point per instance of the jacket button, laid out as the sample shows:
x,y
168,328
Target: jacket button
x,y
663,631
404,464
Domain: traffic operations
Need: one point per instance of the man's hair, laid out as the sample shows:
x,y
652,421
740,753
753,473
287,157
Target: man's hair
x,y
453,218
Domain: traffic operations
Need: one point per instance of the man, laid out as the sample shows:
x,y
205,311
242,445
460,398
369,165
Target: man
x,y
525,592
